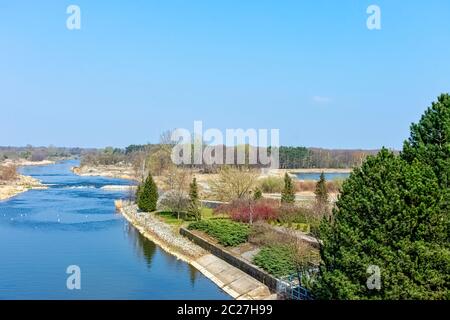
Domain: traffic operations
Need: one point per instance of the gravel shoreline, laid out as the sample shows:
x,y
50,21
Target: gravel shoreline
x,y
161,233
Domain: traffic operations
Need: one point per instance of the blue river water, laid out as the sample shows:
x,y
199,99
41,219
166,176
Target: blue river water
x,y
316,175
74,222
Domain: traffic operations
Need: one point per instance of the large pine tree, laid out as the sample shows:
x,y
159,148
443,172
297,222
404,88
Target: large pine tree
x,y
389,215
429,142
394,213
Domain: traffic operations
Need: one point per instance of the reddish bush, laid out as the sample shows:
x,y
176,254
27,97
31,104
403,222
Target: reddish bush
x,y
242,210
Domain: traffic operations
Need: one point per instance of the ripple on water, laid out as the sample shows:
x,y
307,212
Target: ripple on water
x,y
44,231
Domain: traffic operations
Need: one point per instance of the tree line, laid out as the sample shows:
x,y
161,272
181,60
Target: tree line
x,y
289,157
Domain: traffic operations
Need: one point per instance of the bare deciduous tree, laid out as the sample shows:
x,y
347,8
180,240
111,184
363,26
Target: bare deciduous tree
x,y
176,182
233,183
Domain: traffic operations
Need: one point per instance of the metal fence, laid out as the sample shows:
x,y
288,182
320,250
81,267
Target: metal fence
x,y
289,288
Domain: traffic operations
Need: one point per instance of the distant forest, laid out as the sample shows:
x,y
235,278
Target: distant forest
x,y
290,157
296,157
40,153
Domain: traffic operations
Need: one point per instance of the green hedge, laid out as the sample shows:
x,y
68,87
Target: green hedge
x,y
227,232
276,260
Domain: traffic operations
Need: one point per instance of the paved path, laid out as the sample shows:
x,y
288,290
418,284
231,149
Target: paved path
x,y
233,281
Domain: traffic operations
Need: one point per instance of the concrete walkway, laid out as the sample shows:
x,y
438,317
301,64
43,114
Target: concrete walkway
x,y
233,281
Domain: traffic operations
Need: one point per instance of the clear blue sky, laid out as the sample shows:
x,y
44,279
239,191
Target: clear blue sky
x,y
136,68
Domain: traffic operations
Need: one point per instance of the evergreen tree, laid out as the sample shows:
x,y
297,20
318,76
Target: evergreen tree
x,y
389,215
194,202
429,141
193,192
138,192
147,197
321,202
288,192
321,190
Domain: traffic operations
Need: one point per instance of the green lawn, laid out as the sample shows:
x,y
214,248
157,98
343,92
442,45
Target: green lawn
x,y
169,218
207,213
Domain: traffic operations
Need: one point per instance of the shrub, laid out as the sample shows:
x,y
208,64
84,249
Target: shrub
x,y
288,192
271,184
263,234
277,260
227,233
296,214
243,210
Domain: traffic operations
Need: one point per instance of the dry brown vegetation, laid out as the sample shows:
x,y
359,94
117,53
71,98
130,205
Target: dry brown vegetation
x,y
263,234
310,185
8,173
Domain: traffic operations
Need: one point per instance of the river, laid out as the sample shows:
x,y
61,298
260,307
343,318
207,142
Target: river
x,y
74,222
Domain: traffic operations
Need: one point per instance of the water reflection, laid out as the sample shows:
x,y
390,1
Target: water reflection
x,y
143,247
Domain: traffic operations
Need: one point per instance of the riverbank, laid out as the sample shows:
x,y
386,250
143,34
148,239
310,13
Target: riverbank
x,y
16,184
24,163
9,189
233,281
110,171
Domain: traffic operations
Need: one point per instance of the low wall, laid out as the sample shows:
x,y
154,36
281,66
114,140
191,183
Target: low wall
x,y
257,273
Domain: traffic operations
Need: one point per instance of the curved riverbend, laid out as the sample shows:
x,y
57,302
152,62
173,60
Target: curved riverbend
x,y
74,222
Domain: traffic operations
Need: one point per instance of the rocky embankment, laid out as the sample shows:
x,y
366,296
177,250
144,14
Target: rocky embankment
x,y
233,281
110,171
159,232
21,184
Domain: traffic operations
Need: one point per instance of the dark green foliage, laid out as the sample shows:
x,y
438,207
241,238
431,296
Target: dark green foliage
x,y
321,202
288,193
138,193
194,202
193,192
147,196
227,232
276,260
321,190
429,142
390,214
257,194
294,157
301,157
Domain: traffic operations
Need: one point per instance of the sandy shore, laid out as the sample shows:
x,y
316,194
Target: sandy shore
x,y
23,162
10,189
112,171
